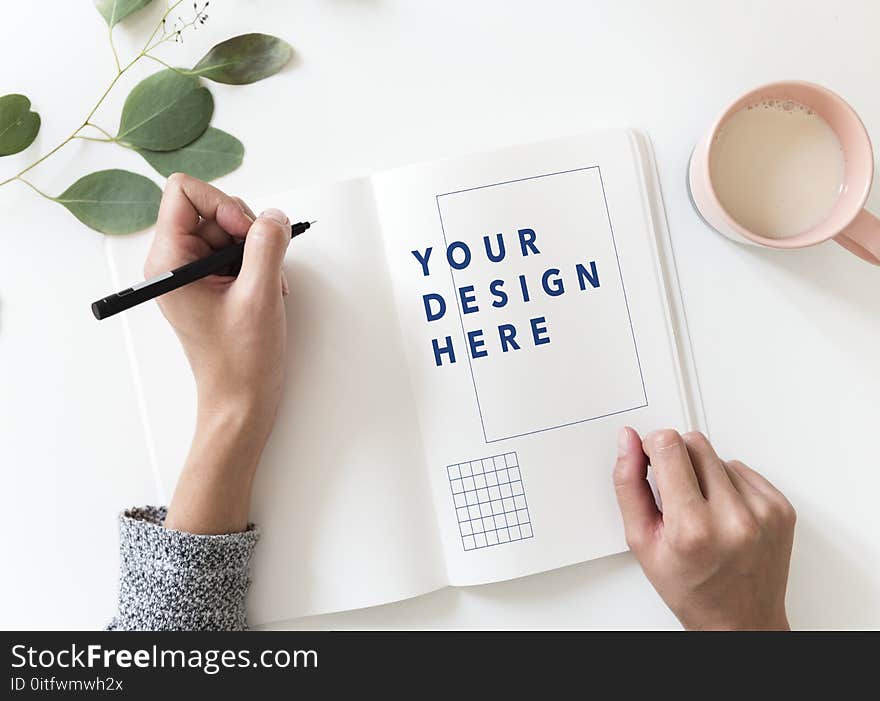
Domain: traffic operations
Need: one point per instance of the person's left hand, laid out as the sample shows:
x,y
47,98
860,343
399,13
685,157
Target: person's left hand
x,y
718,553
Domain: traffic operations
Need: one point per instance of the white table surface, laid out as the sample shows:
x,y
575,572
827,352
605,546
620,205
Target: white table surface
x,y
787,344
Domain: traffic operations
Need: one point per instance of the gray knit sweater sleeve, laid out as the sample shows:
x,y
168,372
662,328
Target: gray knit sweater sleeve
x,y
169,580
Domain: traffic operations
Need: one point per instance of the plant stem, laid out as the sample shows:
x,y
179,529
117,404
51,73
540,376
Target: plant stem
x,y
107,92
103,131
120,71
167,65
34,188
75,133
113,49
94,138
167,37
159,26
18,175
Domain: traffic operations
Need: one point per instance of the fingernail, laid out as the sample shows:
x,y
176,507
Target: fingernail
x,y
285,288
277,215
623,441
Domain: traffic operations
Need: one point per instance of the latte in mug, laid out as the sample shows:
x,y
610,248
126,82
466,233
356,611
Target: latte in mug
x,y
777,167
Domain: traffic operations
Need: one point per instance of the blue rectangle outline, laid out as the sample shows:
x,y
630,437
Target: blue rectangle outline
x,y
622,286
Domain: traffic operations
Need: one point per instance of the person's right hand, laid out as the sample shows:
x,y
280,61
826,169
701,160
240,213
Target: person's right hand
x,y
233,331
719,552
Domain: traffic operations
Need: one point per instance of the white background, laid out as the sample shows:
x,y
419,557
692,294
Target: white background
x,y
786,344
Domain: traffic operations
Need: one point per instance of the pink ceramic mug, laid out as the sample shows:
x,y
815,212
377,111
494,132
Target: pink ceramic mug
x,y
849,223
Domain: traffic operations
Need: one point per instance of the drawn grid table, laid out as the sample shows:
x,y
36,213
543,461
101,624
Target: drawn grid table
x,y
490,502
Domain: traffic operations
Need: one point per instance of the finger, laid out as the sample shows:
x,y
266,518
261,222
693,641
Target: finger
x,y
244,206
214,234
708,467
768,501
168,252
757,481
186,199
746,490
637,507
754,479
264,250
676,479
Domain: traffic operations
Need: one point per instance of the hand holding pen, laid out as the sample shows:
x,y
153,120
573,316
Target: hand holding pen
x,y
225,259
233,331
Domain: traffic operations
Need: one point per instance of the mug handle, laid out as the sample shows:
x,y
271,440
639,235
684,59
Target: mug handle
x,y
862,237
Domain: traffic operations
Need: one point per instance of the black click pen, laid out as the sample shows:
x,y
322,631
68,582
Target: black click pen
x,y
226,261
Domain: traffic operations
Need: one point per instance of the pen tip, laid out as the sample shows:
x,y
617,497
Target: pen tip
x,y
313,222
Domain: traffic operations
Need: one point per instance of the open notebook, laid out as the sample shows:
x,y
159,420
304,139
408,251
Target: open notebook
x,y
465,339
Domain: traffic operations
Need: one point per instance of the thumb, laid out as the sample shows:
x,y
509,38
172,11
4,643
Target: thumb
x,y
634,497
264,249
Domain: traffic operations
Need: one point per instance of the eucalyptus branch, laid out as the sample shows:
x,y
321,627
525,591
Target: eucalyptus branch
x,y
167,65
113,49
161,25
94,138
166,119
103,131
18,175
120,71
34,188
175,34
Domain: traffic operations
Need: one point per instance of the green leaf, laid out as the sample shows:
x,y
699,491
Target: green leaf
x,y
244,59
165,111
114,11
113,201
18,125
213,154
